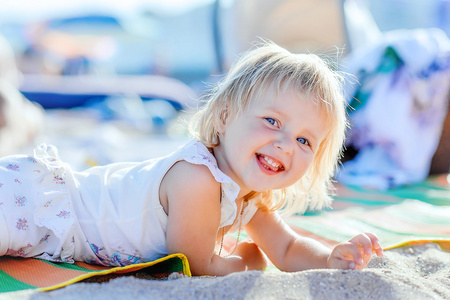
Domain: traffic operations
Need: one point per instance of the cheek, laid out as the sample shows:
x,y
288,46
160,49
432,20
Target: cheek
x,y
249,135
302,164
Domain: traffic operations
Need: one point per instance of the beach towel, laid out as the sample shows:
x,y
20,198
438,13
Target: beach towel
x,y
408,215
18,273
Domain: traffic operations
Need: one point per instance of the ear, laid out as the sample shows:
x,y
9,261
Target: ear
x,y
222,122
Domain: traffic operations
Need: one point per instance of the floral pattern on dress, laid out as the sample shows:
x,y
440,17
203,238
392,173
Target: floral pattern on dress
x,y
19,252
22,224
64,214
12,167
44,239
32,159
58,179
36,206
21,200
116,258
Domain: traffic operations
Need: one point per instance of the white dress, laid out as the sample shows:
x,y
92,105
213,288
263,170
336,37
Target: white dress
x,y
109,215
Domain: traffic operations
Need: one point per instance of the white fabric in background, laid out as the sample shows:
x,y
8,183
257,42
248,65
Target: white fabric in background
x,y
398,129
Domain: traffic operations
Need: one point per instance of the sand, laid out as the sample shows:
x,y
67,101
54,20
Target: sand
x,y
417,272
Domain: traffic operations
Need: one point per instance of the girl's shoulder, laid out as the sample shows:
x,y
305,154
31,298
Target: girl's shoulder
x,y
185,177
197,168
195,153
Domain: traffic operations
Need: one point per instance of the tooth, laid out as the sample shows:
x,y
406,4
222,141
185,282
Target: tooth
x,y
271,162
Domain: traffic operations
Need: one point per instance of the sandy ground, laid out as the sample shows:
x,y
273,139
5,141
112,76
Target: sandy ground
x,y
418,272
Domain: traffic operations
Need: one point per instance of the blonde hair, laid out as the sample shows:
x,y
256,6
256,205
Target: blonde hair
x,y
306,74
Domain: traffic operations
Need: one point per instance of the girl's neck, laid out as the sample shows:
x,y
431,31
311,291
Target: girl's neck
x,y
244,193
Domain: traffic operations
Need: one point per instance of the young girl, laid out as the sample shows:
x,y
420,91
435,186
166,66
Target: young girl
x,y
268,137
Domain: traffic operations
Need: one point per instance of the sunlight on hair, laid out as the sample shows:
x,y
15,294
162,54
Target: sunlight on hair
x,y
265,65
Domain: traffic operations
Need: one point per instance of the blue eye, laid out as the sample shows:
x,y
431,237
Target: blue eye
x,y
271,121
303,141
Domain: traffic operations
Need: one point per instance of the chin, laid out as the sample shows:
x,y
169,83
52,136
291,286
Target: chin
x,y
262,188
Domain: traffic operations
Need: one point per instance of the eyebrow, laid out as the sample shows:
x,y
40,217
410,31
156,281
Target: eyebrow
x,y
275,110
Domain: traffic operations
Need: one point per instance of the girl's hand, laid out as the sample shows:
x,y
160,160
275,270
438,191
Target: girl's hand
x,y
356,253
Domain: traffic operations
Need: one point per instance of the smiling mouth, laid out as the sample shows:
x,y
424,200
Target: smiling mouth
x,y
269,164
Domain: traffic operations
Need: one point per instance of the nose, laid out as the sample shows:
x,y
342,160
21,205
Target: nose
x,y
284,143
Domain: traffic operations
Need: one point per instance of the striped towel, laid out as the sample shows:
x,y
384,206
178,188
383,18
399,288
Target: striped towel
x,y
18,273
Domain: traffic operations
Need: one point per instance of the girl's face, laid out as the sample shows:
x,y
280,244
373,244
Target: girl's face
x,y
272,143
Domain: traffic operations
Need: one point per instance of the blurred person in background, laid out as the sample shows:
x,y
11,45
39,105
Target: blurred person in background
x,y
20,119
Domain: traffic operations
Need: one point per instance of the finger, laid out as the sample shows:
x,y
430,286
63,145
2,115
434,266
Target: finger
x,y
375,243
342,264
364,242
350,252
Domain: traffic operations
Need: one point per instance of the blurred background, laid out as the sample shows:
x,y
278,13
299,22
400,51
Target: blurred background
x,y
117,80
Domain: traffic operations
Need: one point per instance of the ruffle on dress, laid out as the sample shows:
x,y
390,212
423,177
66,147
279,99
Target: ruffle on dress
x,y
54,210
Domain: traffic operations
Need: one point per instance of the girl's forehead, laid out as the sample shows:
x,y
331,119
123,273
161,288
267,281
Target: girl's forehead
x,y
275,95
312,100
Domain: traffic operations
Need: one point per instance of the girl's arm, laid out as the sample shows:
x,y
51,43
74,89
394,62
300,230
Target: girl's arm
x,y
290,252
287,250
192,198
